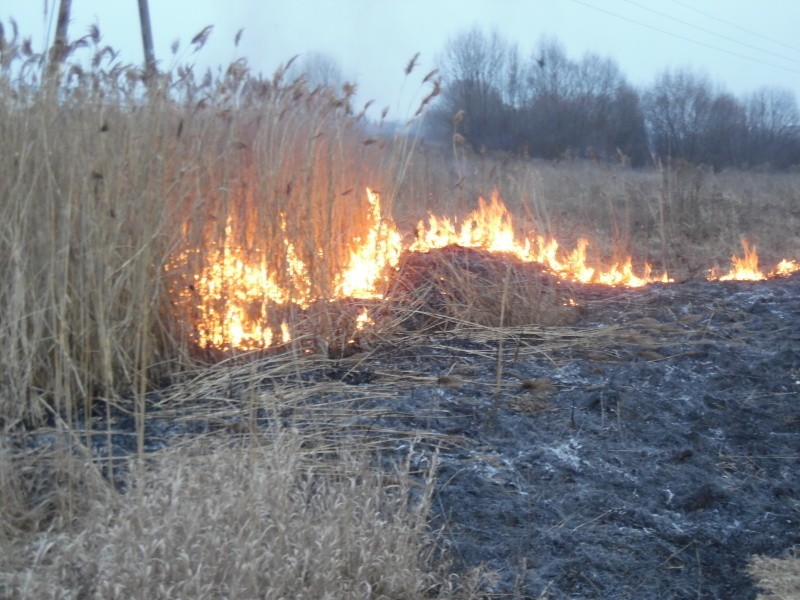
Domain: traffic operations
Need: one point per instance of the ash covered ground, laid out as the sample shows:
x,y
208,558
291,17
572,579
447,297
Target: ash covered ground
x,y
645,451
649,465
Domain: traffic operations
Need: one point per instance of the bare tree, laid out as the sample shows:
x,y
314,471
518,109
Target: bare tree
x,y
678,111
474,70
725,140
772,120
318,69
689,118
582,108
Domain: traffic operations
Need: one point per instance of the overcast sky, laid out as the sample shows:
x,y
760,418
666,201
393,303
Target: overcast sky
x,y
741,44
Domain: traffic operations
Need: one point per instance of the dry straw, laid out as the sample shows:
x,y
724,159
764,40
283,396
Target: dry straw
x,y
261,520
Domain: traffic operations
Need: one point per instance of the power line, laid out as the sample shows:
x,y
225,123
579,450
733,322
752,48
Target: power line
x,y
704,30
686,39
734,25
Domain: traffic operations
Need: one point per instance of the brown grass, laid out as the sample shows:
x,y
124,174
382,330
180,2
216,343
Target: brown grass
x,y
263,519
114,194
453,287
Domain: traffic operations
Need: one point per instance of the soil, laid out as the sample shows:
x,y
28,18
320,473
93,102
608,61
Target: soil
x,y
648,450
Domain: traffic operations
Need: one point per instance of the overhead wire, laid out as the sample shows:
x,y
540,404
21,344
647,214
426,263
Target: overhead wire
x,y
735,26
687,39
704,30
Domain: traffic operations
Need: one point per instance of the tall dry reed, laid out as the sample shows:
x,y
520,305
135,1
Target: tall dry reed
x,y
117,190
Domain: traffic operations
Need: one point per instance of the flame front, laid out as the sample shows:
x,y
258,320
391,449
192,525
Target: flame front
x,y
785,267
237,302
745,268
491,227
233,295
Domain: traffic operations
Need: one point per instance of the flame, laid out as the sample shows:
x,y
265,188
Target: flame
x,y
491,227
286,335
363,319
746,268
236,301
785,267
231,295
372,254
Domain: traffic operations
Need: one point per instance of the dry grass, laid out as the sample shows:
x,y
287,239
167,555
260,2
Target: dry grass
x,y
452,286
114,196
262,519
117,195
779,578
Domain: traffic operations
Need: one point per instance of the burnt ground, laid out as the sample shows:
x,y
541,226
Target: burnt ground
x,y
650,462
645,451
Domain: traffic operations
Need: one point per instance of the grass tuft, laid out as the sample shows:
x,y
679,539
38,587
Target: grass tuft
x,y
265,519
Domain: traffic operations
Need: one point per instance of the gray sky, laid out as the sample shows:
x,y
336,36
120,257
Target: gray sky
x,y
374,39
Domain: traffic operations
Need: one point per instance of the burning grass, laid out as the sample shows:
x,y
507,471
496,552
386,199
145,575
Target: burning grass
x,y
448,268
455,285
160,227
146,230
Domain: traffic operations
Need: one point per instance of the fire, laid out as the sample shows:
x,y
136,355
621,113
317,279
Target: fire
x,y
372,255
491,227
238,301
746,268
231,296
363,320
785,267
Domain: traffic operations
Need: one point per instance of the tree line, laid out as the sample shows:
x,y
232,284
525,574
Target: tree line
x,y
552,106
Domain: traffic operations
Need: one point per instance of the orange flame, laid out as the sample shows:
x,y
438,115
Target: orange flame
x,y
491,227
379,249
233,295
231,298
784,268
363,319
746,268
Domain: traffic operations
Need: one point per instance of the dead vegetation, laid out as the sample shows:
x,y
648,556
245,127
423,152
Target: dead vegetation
x,y
107,181
262,519
476,287
779,578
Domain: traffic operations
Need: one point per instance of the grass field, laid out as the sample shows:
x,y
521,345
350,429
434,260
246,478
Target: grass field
x,y
114,197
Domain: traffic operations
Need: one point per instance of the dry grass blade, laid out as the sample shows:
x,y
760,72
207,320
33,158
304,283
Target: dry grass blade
x,y
412,63
201,38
